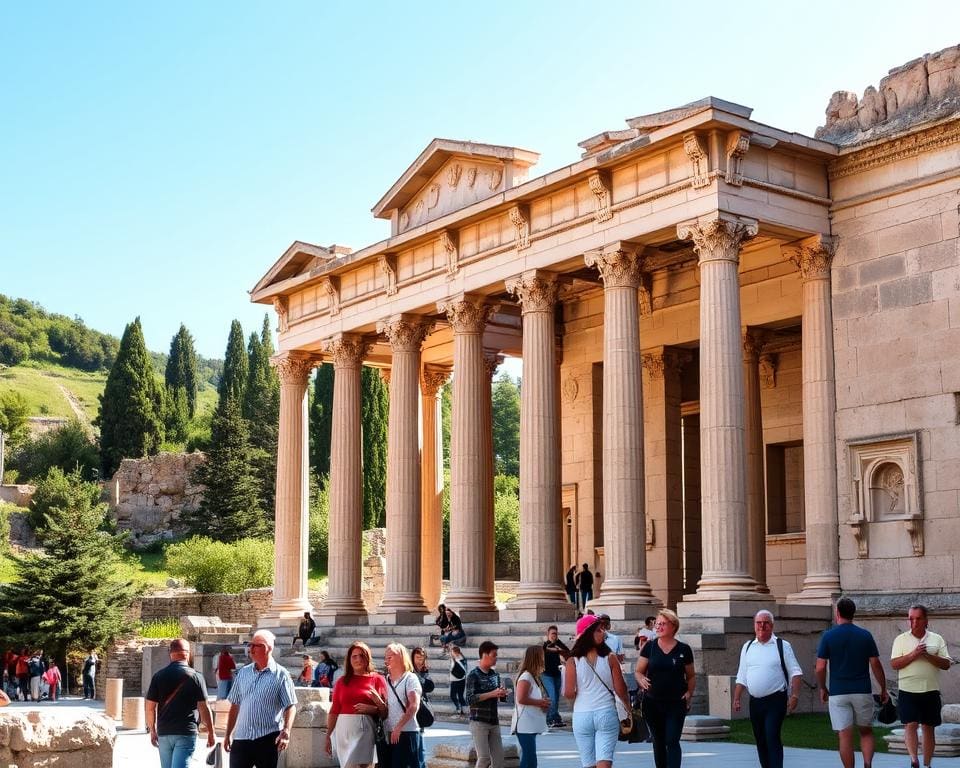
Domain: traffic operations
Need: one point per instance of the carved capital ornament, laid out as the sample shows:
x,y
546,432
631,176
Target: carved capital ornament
x,y
620,267
405,332
347,350
812,257
600,186
432,380
520,218
293,369
280,307
467,315
537,291
718,238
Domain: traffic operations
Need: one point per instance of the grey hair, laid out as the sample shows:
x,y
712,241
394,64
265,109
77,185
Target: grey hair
x,y
267,636
763,612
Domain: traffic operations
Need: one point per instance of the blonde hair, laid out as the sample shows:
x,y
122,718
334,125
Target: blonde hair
x,y
533,662
401,650
671,617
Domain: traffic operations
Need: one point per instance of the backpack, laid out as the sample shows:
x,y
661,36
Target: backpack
x,y
783,663
35,667
458,669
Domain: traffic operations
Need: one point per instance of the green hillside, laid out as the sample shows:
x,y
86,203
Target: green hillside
x,y
49,389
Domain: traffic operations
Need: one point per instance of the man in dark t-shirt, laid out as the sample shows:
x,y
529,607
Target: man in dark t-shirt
x,y
176,693
554,654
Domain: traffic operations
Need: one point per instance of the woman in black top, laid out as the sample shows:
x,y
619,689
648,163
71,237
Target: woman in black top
x,y
443,624
665,674
454,631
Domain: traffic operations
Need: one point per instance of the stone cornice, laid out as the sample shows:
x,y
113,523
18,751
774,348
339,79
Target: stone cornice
x,y
718,238
889,151
405,332
536,290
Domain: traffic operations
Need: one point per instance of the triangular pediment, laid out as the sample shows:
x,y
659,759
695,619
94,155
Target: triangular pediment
x,y
299,259
450,175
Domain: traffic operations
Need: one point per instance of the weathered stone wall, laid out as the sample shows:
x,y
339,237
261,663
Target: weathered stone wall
x,y
124,660
17,494
241,608
147,495
786,563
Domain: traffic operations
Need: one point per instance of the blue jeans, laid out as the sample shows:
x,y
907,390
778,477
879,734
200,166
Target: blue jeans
x,y
596,735
552,684
528,750
175,751
89,688
223,688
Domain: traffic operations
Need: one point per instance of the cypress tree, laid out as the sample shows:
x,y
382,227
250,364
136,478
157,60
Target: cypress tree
x,y
181,370
321,420
374,409
261,409
233,380
177,414
131,406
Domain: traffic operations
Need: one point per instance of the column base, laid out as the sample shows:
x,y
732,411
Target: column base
x,y
479,606
280,614
474,615
723,604
528,610
813,597
398,617
336,617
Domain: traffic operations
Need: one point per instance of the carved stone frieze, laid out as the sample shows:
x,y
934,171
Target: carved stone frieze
x,y
494,179
293,368
331,287
665,360
450,242
620,266
388,265
432,380
471,176
600,186
280,306
433,196
453,174
738,142
492,359
699,160
889,152
536,290
520,218
718,238
812,257
467,314
405,332
346,349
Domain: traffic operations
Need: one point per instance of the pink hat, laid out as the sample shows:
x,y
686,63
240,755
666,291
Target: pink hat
x,y
585,622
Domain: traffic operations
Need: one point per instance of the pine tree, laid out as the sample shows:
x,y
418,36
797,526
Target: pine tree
x,y
68,597
374,410
181,370
321,421
131,406
261,409
230,509
233,380
177,414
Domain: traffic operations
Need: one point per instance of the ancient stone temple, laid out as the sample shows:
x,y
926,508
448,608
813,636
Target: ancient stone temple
x,y
741,363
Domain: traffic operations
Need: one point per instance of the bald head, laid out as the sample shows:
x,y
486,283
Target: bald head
x,y
179,649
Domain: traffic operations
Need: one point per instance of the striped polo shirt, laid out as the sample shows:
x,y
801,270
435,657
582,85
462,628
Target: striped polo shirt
x,y
262,696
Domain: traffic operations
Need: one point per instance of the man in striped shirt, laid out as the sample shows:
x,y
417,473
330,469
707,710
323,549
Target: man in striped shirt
x,y
262,706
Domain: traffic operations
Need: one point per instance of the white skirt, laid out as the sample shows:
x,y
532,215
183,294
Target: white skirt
x,y
354,740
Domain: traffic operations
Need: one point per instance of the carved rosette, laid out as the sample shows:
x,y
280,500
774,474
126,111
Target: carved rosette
x,y
432,380
738,143
537,291
293,368
347,350
699,162
492,360
718,239
280,307
388,265
812,257
600,186
467,315
520,218
619,268
331,286
405,332
449,241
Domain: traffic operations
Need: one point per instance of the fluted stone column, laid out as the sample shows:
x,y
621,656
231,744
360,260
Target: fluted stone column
x,y
431,484
822,582
540,595
344,603
692,521
753,427
492,359
402,601
293,497
625,592
726,567
471,479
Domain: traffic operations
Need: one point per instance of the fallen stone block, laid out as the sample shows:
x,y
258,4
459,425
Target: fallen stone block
x,y
38,740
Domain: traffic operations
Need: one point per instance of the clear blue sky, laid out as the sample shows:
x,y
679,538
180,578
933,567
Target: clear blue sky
x,y
157,158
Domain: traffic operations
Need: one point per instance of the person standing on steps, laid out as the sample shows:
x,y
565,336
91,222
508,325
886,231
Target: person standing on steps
x,y
555,652
304,630
458,680
585,586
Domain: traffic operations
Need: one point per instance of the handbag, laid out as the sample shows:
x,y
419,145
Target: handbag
x,y
623,714
424,716
886,713
640,731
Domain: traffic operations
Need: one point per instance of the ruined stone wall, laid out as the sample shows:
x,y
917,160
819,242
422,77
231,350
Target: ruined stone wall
x,y
124,660
243,608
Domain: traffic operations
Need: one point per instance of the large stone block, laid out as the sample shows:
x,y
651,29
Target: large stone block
x,y
39,740
907,292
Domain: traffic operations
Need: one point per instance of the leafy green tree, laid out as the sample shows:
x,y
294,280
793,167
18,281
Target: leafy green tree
x,y
69,447
233,381
181,368
230,509
319,523
321,420
446,418
13,417
13,352
506,425
176,414
506,523
374,410
131,406
68,597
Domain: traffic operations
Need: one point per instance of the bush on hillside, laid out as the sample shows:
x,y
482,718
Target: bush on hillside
x,y
215,566
5,511
69,447
60,491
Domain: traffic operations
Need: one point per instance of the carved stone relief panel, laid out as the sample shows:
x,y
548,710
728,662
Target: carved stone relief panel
x,y
457,184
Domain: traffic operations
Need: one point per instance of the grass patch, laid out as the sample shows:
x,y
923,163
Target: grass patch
x,y
160,629
145,569
316,577
7,571
806,731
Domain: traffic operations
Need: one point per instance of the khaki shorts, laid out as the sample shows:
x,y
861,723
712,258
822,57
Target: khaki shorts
x,y
849,709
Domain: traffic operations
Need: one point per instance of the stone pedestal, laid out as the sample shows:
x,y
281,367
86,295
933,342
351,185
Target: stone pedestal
x,y
134,717
113,700
720,698
947,741
704,728
42,739
308,736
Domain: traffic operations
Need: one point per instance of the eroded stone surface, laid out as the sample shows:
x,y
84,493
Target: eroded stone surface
x,y
32,739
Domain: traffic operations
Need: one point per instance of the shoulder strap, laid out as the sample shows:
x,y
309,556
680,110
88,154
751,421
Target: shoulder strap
x,y
402,705
783,663
597,674
167,700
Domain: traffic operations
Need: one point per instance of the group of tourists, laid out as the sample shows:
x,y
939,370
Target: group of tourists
x,y
31,675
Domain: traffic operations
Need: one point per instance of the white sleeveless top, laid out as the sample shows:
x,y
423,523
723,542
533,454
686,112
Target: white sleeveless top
x,y
591,693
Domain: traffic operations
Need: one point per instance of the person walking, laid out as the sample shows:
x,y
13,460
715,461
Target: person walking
x,y
89,675
585,586
36,668
484,690
918,657
768,668
359,696
666,676
53,678
23,674
403,701
593,681
263,703
458,679
531,704
571,585
851,653
226,667
555,652
177,693
323,674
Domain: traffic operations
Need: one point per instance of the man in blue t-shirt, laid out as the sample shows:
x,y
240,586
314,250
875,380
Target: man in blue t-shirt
x,y
851,653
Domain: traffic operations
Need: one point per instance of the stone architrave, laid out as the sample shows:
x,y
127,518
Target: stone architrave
x,y
344,602
403,598
625,593
753,429
471,478
726,567
431,484
293,496
540,594
813,257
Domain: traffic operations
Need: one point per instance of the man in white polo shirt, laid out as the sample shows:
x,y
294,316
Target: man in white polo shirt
x,y
768,667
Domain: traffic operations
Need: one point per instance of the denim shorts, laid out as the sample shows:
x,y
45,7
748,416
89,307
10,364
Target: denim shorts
x,y
596,734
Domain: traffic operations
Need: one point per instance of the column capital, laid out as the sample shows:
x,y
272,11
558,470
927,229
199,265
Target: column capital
x,y
467,314
718,237
620,264
346,349
657,362
432,379
537,290
385,376
405,332
812,256
492,359
753,340
294,367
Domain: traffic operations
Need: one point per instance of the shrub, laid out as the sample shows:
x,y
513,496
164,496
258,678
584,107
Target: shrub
x,y
5,510
62,491
215,566
506,521
69,447
160,629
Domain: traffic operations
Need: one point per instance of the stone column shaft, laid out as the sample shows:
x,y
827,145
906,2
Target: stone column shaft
x,y
692,522
344,603
822,581
431,485
293,497
403,597
753,428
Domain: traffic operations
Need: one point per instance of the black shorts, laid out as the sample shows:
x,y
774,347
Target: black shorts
x,y
923,708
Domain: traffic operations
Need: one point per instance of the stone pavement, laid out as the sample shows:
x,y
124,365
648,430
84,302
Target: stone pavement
x,y
555,750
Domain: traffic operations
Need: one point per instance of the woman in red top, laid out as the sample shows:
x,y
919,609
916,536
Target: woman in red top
x,y
359,696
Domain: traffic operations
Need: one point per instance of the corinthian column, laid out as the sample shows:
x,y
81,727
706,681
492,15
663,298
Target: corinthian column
x,y
625,592
293,496
344,603
753,427
726,566
402,601
431,484
540,595
813,257
471,479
